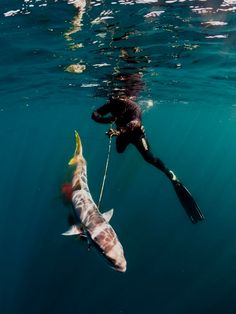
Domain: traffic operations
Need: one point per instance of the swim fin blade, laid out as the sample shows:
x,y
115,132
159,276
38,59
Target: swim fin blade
x,y
188,202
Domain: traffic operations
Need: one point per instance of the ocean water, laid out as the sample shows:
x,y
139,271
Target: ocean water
x,y
185,53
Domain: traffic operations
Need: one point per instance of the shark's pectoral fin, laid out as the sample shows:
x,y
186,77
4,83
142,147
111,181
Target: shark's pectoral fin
x,y
107,215
74,230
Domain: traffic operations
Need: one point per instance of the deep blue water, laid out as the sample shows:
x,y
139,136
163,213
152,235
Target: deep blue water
x,y
187,57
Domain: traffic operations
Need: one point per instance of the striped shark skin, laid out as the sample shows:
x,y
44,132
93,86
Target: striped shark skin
x,y
92,224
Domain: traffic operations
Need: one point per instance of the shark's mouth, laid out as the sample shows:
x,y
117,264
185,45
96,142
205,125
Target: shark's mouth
x,y
109,260
112,263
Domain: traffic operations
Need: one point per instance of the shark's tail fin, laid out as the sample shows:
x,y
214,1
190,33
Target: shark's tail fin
x,y
78,149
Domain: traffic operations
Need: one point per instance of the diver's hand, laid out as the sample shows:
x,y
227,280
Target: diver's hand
x,y
112,132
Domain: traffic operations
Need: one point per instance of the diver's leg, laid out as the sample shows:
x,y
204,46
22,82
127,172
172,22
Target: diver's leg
x,y
121,143
184,196
141,143
186,199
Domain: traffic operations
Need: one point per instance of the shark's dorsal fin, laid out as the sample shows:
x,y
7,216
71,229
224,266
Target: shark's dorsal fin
x,y
107,215
74,230
78,149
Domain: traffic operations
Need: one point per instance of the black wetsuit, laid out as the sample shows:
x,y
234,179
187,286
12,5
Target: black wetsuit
x,y
127,116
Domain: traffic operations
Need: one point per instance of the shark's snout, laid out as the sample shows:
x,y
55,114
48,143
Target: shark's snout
x,y
122,266
116,258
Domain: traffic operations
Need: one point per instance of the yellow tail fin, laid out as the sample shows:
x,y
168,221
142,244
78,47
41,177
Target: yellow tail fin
x,y
78,149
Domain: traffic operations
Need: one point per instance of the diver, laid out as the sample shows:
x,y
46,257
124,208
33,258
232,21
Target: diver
x,y
122,110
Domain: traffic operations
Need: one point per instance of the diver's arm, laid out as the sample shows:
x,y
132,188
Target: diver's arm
x,y
99,115
128,128
133,124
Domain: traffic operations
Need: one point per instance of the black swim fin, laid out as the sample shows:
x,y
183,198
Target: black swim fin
x,y
188,202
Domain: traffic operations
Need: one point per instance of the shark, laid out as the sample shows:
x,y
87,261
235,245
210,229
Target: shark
x,y
91,224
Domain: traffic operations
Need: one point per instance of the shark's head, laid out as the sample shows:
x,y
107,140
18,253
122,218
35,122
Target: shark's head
x,y
115,258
